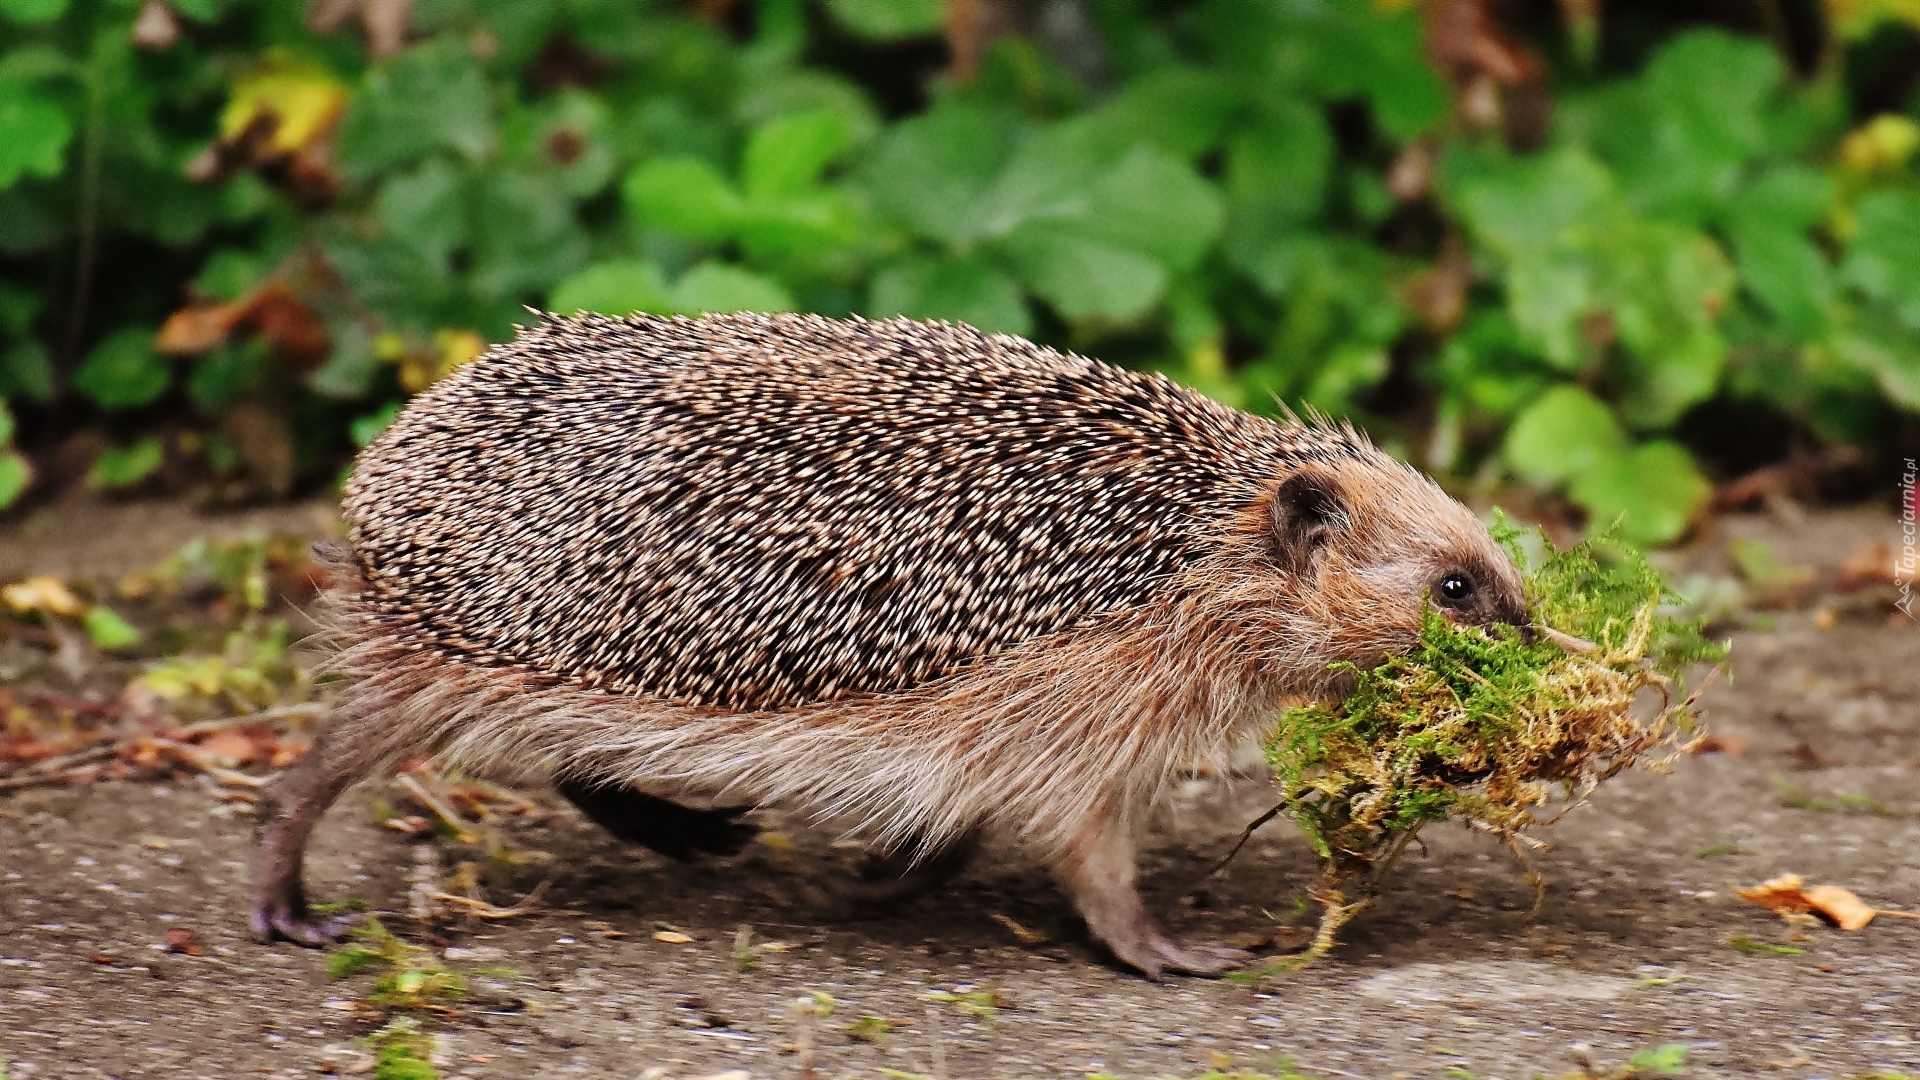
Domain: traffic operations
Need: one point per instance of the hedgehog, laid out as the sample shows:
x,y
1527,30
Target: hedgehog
x,y
919,582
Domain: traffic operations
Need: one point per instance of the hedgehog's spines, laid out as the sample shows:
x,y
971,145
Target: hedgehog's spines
x,y
773,510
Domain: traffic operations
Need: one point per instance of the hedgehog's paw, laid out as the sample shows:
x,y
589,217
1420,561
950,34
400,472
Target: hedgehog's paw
x,y
1155,954
1201,959
284,916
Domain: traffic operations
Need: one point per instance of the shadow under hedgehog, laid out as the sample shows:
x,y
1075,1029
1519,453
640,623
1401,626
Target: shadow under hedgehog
x,y
902,575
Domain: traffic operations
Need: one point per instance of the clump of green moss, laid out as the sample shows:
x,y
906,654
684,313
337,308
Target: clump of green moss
x,y
1487,726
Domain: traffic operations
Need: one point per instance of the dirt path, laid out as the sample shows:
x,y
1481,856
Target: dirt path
x,y
1631,951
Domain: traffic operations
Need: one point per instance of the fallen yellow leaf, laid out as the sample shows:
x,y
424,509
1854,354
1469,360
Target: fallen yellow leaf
x,y
1789,897
44,594
1847,911
672,937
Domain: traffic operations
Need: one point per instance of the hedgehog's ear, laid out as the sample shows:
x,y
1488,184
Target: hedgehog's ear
x,y
1308,509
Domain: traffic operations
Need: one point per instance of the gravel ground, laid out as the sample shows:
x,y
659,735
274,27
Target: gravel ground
x,y
1630,951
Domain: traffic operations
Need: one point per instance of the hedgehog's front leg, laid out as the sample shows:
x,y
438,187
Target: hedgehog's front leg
x,y
1098,870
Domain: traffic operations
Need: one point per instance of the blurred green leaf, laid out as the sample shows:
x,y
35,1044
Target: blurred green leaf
x,y
1684,132
1083,278
889,20
33,12
1519,206
198,10
1877,341
683,195
526,239
229,274
1789,274
34,132
107,630
1350,371
931,171
1151,203
123,371
350,371
1335,51
717,287
6,423
961,289
1789,196
613,288
27,371
367,428
799,229
125,466
786,156
1095,236
1182,111
220,377
1564,434
431,97
772,91
1655,490
1883,258
426,208
15,475
1280,163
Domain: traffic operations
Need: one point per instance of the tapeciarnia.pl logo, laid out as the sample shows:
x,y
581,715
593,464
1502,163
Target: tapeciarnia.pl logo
x,y
1908,562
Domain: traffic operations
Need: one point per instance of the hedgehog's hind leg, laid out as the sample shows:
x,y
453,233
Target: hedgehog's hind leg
x,y
676,831
1098,870
346,751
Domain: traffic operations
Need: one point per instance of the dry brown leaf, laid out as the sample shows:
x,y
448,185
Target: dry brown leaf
x,y
1789,897
197,328
1869,563
182,940
229,748
1731,745
672,937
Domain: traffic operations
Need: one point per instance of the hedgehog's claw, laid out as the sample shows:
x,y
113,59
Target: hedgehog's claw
x,y
286,918
1201,959
1154,954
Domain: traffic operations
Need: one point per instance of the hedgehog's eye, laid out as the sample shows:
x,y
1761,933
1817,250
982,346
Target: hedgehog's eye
x,y
1455,589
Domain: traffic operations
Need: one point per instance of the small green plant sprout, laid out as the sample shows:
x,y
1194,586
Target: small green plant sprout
x,y
1747,943
980,1004
1666,1059
808,1010
1486,726
414,977
744,958
400,1051
870,1029
1792,795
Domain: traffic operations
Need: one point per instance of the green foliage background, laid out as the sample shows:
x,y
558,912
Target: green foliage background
x,y
1203,187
